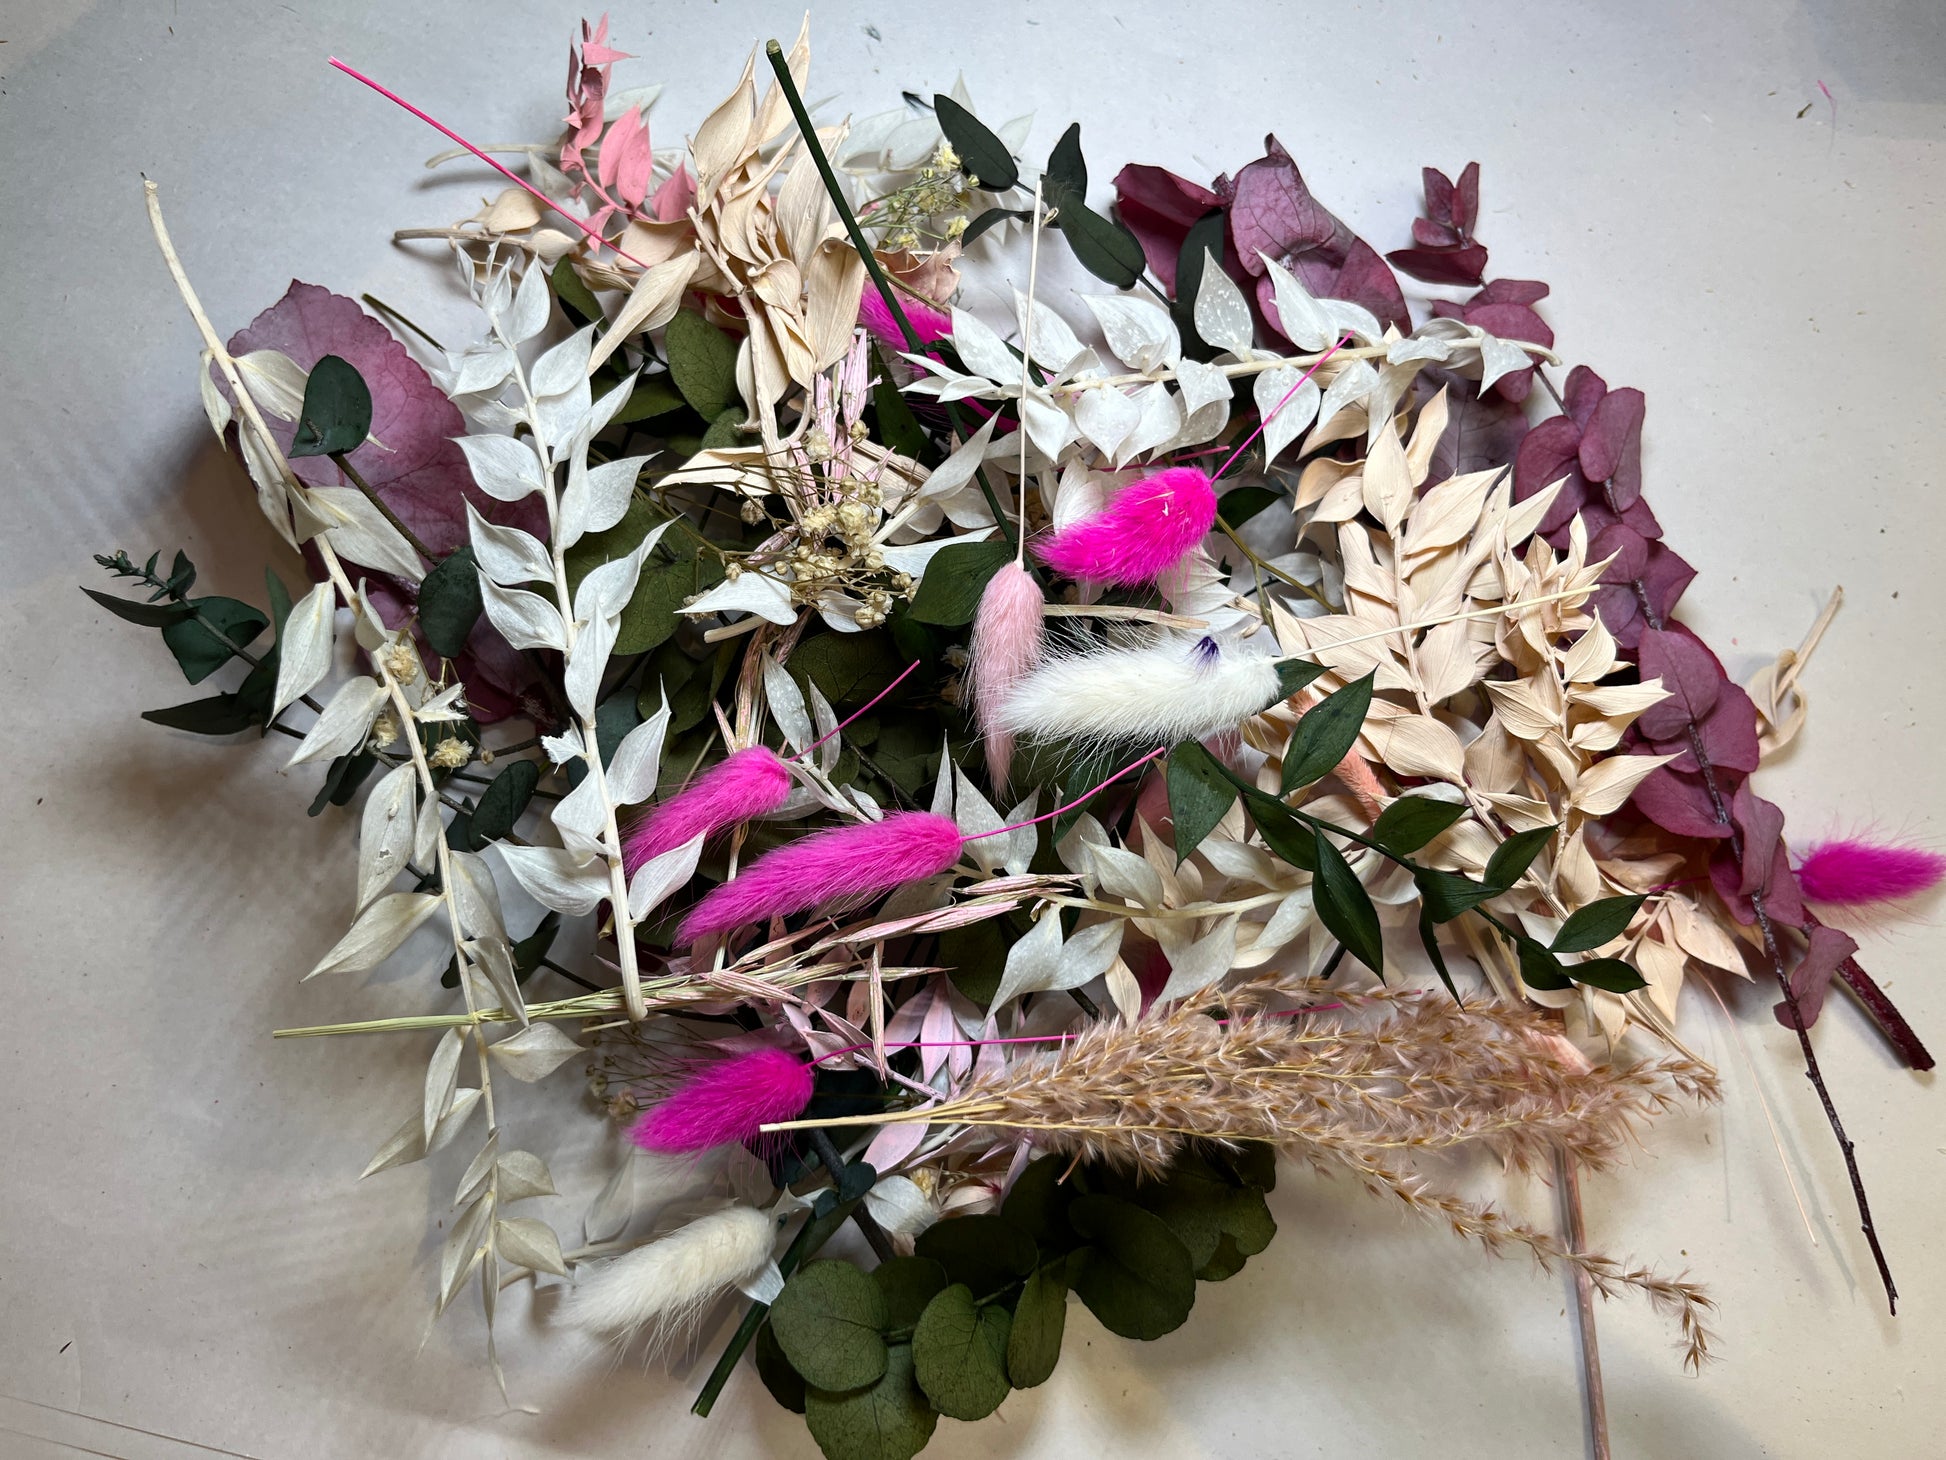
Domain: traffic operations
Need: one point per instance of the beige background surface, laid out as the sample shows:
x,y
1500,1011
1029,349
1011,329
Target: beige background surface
x,y
183,1252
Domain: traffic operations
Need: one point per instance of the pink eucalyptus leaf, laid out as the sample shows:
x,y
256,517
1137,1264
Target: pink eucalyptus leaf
x,y
1611,446
1825,949
1690,674
1679,802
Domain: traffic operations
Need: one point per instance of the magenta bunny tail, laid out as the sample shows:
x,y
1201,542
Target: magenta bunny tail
x,y
929,324
1848,871
725,1101
1151,526
1005,648
745,784
846,862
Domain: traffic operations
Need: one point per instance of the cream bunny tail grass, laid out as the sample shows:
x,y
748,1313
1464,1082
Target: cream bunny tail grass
x,y
664,1284
1179,689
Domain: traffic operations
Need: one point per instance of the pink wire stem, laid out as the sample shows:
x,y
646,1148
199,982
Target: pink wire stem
x,y
855,713
1280,405
1033,1038
510,176
1049,815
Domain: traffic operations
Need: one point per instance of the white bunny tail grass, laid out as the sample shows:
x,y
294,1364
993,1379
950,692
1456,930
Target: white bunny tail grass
x,y
1179,689
666,1283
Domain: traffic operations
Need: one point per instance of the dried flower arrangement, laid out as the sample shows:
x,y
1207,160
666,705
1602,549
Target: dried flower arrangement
x,y
754,526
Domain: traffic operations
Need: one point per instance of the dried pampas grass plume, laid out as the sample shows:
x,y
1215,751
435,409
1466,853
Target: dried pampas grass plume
x,y
1005,647
664,1285
1180,689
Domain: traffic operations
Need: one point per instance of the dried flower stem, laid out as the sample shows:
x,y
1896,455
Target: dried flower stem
x,y
1584,1307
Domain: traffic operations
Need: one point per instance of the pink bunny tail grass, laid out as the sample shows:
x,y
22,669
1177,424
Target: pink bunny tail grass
x,y
747,783
1005,648
1847,871
727,1101
929,324
848,862
1151,526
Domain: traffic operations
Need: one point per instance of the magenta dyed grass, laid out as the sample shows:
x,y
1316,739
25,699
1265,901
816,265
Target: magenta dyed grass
x,y
929,324
744,784
1151,526
846,862
727,1101
1848,871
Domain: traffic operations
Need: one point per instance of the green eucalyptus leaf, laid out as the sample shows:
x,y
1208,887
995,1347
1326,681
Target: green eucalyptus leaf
x,y
1511,859
898,428
703,360
1200,795
1412,821
654,395
1136,1276
202,645
341,782
889,1419
148,615
849,668
1598,923
983,156
337,412
976,958
1038,1204
828,1321
959,1354
218,715
1326,734
578,300
502,802
1067,171
1240,504
1287,837
1611,974
1448,894
1040,1322
1428,936
956,576
986,1251
785,1384
1344,907
909,1283
1539,968
1102,246
987,220
722,433
449,602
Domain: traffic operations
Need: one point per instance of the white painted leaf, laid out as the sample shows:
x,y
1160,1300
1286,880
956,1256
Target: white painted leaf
x,y
529,1242
506,555
1138,330
1290,418
1161,419
957,470
528,317
442,1079
377,932
523,1174
824,720
535,1053
1121,873
975,816
609,1212
556,878
525,620
596,500
503,467
1016,849
768,1285
304,646
275,381
476,897
360,533
581,817
786,703
477,1171
1203,962
346,721
1603,787
1090,953
1051,342
1202,385
1352,385
464,1248
408,1142
900,1206
1033,962
588,659
661,875
494,958
1106,417
1304,324
386,831
216,405
425,836
1498,358
481,369
633,770
755,593
981,350
565,366
1048,426
1222,316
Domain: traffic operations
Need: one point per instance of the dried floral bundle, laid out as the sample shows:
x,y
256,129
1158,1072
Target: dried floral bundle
x,y
992,758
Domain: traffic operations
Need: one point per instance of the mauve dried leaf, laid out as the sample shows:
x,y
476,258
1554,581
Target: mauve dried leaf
x,y
1446,252
1159,208
1611,445
1783,902
1679,802
1825,949
1762,825
1688,671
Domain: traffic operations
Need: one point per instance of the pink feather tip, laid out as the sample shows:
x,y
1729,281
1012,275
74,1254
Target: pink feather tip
x,y
727,1101
1005,648
1846,871
746,783
846,862
1151,526
929,324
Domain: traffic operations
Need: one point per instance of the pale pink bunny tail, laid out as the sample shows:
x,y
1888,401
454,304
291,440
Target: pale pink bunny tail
x,y
727,1100
929,324
1005,648
1847,871
745,784
1151,526
848,862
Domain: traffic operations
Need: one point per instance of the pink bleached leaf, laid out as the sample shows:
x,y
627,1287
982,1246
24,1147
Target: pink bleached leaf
x,y
626,160
674,198
411,460
894,1143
